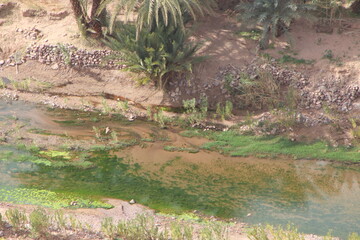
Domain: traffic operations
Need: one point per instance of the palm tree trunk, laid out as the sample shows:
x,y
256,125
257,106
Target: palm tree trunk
x,y
94,8
78,11
95,23
264,41
355,7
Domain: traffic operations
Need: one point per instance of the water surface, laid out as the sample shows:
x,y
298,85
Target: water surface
x,y
314,195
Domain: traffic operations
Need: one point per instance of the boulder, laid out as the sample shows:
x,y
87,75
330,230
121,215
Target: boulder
x,y
34,13
56,16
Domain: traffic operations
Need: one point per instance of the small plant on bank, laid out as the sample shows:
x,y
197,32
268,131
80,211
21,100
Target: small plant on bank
x,y
60,219
114,137
123,106
224,112
16,218
2,222
2,83
328,54
97,132
160,118
40,222
65,52
106,109
109,228
195,114
21,85
274,233
181,232
355,131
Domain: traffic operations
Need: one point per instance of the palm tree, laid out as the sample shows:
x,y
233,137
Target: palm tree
x,y
274,16
153,13
90,24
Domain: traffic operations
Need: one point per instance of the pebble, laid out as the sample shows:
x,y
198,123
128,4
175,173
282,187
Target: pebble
x,y
132,201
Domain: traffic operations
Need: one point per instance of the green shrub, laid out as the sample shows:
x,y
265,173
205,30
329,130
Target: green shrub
x,y
158,54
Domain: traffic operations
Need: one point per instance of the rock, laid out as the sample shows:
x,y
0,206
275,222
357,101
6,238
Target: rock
x,y
56,16
2,62
356,106
55,66
7,7
132,201
34,13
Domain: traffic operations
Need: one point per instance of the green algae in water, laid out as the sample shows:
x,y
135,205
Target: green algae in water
x,y
56,154
47,198
50,158
234,144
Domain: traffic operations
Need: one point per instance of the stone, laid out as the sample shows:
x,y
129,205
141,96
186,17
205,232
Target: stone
x,y
356,106
55,66
7,7
34,13
2,62
132,201
56,16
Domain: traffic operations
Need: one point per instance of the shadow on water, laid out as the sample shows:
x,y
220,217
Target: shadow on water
x,y
314,195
